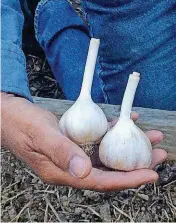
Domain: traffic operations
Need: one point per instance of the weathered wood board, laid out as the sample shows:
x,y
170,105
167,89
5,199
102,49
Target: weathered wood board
x,y
164,121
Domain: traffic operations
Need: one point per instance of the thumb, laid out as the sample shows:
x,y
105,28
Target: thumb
x,y
65,154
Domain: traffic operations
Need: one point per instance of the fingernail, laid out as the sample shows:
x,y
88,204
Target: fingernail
x,y
77,166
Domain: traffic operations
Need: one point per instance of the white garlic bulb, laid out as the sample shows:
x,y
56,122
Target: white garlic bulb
x,y
126,147
84,122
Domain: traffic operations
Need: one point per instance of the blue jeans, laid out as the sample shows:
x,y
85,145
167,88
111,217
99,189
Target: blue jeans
x,y
135,36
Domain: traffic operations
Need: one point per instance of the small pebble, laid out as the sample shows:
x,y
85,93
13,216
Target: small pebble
x,y
143,208
153,210
65,203
64,198
83,215
78,210
37,68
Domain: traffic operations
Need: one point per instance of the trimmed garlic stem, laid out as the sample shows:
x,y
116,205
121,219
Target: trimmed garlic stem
x,y
89,69
129,95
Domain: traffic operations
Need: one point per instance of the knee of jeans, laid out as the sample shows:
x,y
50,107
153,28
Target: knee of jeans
x,y
52,17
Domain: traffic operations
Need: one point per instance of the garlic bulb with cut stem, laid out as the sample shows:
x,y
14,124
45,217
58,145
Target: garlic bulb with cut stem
x,y
84,122
126,147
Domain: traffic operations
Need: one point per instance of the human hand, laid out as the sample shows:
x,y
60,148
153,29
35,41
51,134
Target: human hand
x,y
32,134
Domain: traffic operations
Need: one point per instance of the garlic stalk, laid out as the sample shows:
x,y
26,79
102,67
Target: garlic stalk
x,y
126,147
85,123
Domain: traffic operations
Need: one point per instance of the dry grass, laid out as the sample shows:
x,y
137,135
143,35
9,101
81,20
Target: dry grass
x,y
25,198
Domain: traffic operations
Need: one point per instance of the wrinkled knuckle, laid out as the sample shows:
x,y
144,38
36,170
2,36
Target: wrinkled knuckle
x,y
61,144
55,155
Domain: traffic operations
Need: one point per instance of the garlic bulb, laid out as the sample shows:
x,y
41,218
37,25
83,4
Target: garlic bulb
x,y
126,147
85,123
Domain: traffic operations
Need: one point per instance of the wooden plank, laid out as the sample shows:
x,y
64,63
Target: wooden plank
x,y
164,121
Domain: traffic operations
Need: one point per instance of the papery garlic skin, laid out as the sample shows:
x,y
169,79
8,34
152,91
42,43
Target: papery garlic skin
x,y
125,147
89,124
84,122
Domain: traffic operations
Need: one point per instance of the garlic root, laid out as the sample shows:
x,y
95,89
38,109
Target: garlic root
x,y
89,149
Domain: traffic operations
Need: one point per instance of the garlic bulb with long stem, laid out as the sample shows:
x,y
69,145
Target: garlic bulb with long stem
x,y
84,122
126,147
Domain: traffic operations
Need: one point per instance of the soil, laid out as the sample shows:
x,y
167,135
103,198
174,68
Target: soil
x,y
25,198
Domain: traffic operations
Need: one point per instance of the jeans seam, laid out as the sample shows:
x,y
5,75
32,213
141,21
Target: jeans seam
x,y
103,83
86,17
99,57
39,7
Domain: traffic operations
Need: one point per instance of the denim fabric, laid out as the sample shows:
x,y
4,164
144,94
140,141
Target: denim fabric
x,y
30,44
13,65
136,36
65,39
